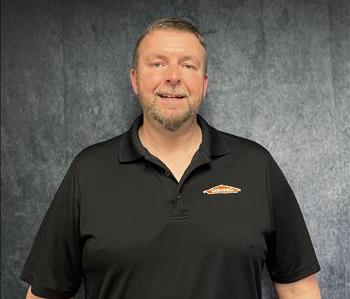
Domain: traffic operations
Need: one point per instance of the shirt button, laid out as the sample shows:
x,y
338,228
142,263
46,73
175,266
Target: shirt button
x,y
178,196
167,173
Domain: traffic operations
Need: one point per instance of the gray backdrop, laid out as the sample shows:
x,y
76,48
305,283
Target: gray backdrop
x,y
278,74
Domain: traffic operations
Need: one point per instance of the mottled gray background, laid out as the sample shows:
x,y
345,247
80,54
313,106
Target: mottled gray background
x,y
278,74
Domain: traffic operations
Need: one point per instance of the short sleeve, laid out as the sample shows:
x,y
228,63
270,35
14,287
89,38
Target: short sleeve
x,y
53,267
290,255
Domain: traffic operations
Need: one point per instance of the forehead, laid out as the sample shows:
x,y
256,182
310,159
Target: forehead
x,y
170,41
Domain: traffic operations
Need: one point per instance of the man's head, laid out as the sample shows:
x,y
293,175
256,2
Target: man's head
x,y
169,73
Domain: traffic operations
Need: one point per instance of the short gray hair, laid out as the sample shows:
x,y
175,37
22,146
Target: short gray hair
x,y
175,23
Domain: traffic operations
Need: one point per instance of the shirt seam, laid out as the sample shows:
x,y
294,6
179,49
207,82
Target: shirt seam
x,y
298,274
28,277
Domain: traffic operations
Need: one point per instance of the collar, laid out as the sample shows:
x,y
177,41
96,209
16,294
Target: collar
x,y
131,148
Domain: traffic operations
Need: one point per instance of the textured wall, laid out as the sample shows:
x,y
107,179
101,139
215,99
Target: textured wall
x,y
279,73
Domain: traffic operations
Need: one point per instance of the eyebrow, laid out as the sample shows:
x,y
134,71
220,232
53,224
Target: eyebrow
x,y
183,58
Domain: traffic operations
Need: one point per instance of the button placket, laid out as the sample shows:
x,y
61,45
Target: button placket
x,y
177,197
175,200
177,206
180,211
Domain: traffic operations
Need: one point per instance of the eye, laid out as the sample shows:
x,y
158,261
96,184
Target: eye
x,y
156,64
188,66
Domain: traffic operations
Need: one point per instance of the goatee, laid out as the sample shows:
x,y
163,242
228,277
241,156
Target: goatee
x,y
170,124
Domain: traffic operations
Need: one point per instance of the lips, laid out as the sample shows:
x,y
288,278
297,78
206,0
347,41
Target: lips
x,y
171,96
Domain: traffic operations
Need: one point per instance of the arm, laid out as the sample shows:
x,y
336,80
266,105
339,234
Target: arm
x,y
306,288
31,296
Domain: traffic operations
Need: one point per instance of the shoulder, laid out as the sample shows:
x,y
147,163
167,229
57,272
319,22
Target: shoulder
x,y
100,153
245,148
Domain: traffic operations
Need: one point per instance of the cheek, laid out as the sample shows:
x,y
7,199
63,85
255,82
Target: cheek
x,y
148,83
195,85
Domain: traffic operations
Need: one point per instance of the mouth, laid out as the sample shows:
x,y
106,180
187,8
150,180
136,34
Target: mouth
x,y
171,96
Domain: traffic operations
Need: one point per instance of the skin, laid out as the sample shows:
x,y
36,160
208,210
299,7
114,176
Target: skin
x,y
170,126
31,296
170,61
306,288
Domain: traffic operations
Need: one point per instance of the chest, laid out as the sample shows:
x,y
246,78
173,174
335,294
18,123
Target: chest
x,y
177,168
178,163
128,222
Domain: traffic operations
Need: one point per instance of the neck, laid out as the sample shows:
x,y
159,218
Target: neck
x,y
159,141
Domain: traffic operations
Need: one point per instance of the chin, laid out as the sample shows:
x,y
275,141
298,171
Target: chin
x,y
173,121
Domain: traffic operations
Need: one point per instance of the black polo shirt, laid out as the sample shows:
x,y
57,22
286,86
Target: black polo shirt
x,y
121,223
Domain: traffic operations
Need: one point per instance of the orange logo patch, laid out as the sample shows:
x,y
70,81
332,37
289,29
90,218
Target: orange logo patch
x,y
222,189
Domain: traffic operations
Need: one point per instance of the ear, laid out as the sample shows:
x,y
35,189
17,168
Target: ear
x,y
205,85
133,79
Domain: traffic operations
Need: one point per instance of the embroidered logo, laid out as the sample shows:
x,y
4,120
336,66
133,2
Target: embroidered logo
x,y
222,189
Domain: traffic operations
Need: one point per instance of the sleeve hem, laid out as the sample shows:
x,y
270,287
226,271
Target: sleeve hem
x,y
297,275
43,291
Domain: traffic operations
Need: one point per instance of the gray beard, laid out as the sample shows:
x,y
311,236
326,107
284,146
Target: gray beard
x,y
169,124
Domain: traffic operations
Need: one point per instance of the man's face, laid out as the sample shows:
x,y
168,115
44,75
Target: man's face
x,y
169,80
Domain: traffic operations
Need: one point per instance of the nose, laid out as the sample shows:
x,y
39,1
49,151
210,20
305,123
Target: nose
x,y
172,75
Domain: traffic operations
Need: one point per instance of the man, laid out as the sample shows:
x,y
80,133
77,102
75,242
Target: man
x,y
172,208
